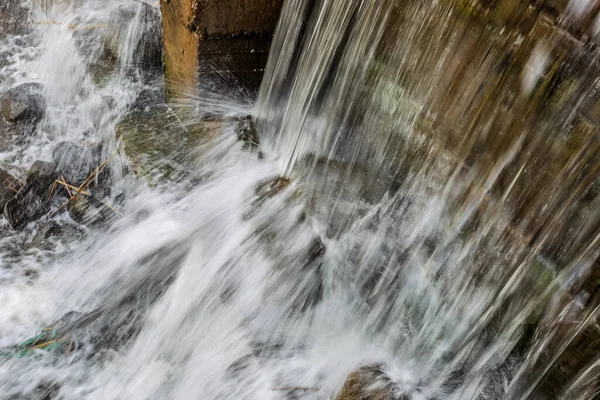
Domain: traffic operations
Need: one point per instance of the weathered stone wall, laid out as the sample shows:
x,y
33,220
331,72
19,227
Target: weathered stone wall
x,y
216,36
484,113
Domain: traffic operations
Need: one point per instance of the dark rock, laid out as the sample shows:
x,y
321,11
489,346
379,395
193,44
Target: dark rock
x,y
9,186
73,162
246,132
45,391
23,104
147,52
41,173
369,383
269,188
121,314
316,250
28,205
103,174
33,200
155,143
14,16
90,211
47,232
9,135
103,52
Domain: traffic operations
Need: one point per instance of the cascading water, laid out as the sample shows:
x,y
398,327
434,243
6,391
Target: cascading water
x,y
407,209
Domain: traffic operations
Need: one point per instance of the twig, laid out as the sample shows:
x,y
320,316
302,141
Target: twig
x,y
77,190
52,190
69,349
52,214
84,185
45,344
65,185
11,187
97,171
112,208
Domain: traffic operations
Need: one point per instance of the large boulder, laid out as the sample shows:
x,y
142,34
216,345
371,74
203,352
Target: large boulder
x,y
23,104
33,200
154,141
146,47
114,46
73,162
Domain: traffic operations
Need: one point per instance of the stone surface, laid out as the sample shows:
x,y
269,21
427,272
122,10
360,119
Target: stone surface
x,y
73,162
33,200
154,141
41,173
180,47
48,232
369,383
103,51
90,211
246,133
14,17
229,37
147,51
23,103
9,186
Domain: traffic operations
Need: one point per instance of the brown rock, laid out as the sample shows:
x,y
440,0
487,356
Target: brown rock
x,y
32,201
369,383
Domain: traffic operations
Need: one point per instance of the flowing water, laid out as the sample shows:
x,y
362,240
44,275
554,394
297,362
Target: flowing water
x,y
425,199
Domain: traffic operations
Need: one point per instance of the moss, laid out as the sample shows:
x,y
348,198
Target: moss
x,y
159,147
154,142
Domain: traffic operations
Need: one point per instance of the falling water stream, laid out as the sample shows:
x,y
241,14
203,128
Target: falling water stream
x,y
425,199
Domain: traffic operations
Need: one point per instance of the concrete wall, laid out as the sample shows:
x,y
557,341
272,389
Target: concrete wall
x,y
216,36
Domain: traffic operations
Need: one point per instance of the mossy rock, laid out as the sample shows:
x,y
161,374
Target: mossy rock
x,y
155,142
369,383
160,147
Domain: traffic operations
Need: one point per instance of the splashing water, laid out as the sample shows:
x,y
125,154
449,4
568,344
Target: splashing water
x,y
425,199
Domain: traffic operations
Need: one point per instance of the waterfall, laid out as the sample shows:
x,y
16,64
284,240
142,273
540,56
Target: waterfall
x,y
422,195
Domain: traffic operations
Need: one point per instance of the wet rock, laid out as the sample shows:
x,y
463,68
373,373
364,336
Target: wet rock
x,y
155,142
73,162
316,250
9,186
90,211
23,104
269,188
8,135
121,314
43,391
369,383
41,173
147,49
246,133
100,62
102,170
33,200
14,16
47,232
104,50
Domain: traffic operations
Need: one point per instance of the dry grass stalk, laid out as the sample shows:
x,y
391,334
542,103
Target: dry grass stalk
x,y
81,190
